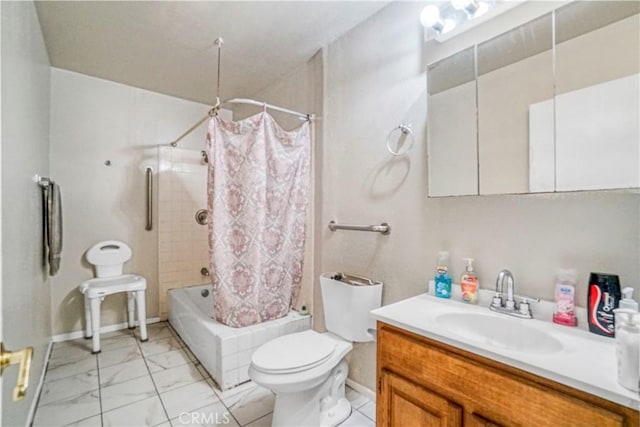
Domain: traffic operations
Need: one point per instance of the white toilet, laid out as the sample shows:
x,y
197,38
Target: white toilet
x,y
306,370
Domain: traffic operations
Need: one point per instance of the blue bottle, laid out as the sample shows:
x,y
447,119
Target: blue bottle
x,y
442,279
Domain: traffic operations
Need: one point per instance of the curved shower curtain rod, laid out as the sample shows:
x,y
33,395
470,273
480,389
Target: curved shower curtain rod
x,y
219,42
214,111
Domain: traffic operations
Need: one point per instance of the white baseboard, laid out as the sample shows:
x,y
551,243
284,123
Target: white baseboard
x,y
111,328
36,396
361,389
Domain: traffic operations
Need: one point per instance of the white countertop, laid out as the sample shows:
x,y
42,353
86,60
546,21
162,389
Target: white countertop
x,y
586,361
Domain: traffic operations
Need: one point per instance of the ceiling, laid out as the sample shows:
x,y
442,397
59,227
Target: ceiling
x,y
168,47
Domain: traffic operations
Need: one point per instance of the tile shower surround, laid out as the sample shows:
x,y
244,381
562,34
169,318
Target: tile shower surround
x,y
158,383
183,248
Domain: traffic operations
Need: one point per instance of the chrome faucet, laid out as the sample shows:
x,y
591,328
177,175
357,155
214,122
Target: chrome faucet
x,y
510,307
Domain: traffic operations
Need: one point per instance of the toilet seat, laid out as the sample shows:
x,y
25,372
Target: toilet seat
x,y
293,353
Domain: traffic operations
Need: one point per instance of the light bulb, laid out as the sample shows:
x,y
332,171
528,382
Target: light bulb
x,y
461,4
430,16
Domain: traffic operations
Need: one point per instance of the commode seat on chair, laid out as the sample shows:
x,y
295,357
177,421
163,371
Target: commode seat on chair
x,y
109,257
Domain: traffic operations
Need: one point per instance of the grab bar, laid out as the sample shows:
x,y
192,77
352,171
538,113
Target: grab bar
x,y
383,228
149,175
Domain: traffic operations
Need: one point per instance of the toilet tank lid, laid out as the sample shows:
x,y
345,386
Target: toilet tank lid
x,y
293,351
109,252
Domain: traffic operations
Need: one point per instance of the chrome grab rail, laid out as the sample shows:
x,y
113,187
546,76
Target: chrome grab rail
x,y
149,175
383,228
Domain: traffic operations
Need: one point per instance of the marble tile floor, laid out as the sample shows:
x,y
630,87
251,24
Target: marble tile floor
x,y
156,383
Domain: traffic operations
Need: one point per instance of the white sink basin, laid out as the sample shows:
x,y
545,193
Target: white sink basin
x,y
504,332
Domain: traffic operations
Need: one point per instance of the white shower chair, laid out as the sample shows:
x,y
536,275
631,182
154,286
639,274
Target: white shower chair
x,y
109,257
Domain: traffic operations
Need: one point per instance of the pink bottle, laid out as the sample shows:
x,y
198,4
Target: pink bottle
x,y
565,313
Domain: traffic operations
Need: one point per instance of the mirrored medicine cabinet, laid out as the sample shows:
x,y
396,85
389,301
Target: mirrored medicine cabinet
x,y
552,105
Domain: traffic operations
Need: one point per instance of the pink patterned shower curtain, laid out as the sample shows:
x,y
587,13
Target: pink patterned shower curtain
x,y
258,192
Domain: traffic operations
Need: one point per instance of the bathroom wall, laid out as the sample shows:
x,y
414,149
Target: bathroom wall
x,y
375,80
94,121
25,152
301,90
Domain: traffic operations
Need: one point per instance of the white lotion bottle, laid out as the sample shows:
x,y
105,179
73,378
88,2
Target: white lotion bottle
x,y
628,341
627,300
628,348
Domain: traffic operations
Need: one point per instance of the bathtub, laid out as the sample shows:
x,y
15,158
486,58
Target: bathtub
x,y
225,352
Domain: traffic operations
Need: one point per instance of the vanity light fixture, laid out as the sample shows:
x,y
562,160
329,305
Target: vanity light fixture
x,y
444,18
469,6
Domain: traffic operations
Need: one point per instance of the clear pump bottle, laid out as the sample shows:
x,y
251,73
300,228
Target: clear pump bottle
x,y
469,283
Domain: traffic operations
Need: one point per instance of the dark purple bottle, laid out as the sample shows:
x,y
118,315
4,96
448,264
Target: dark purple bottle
x,y
604,297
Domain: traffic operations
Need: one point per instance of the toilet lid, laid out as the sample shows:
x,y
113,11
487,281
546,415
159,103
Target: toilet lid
x,y
293,352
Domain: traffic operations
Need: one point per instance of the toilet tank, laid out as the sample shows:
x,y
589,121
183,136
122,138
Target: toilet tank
x,y
347,300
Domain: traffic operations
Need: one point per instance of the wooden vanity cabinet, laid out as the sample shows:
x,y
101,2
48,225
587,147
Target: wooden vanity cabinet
x,y
422,382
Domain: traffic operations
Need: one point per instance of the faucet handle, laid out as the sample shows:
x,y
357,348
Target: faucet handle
x,y
496,301
524,308
526,299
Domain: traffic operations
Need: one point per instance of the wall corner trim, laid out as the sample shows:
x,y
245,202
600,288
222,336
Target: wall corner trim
x,y
36,396
369,394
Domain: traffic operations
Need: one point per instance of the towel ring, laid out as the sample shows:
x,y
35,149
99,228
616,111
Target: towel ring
x,y
406,133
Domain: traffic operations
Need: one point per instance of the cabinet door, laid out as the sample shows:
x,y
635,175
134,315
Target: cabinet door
x,y
452,129
597,95
515,70
403,403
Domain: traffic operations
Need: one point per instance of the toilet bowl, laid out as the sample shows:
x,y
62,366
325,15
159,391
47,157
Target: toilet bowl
x,y
302,369
306,370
